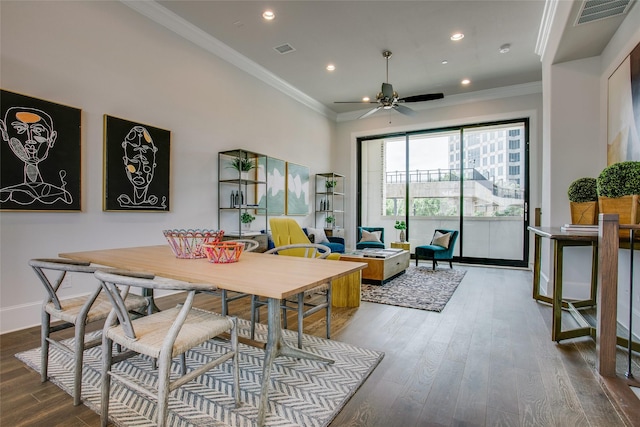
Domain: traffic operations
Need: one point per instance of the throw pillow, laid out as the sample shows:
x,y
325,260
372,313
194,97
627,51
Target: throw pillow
x,y
441,239
370,236
318,235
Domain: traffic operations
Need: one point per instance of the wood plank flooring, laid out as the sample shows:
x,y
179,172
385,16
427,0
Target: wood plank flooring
x,y
486,360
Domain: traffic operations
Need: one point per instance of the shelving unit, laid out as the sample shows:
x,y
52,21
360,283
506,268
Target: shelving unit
x,y
238,193
329,203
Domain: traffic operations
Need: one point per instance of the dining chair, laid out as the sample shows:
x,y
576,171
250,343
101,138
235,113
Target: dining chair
x,y
227,296
162,335
74,312
304,309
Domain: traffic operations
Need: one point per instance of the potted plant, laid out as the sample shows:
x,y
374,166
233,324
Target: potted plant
x,y
243,165
330,184
583,199
618,187
246,219
330,220
401,225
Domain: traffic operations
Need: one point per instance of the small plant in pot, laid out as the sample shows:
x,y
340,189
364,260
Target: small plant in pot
x,y
330,220
330,184
246,219
583,198
618,187
242,165
401,225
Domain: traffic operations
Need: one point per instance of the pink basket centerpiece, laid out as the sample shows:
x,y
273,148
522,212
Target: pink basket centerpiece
x,y
223,252
188,243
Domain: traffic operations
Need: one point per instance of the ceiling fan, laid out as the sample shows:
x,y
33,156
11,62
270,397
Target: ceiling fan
x,y
388,99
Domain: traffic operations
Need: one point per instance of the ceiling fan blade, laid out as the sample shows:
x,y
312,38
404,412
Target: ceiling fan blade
x,y
370,112
424,97
404,110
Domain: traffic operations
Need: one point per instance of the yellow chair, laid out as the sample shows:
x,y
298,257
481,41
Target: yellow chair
x,y
286,231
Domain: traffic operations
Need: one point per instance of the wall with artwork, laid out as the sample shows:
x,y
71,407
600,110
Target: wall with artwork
x,y
118,63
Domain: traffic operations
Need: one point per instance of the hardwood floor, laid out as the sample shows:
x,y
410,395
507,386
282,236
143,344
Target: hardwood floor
x,y
486,360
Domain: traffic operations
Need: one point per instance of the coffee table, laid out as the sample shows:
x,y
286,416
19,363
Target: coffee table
x,y
379,270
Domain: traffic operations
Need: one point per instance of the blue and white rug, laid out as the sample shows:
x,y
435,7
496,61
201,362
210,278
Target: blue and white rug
x,y
302,392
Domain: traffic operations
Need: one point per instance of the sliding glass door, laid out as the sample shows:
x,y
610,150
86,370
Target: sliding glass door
x,y
472,179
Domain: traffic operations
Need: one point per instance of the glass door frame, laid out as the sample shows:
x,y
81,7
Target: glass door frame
x,y
523,262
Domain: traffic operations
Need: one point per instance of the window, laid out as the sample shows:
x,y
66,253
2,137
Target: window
x,y
514,170
514,132
514,144
514,157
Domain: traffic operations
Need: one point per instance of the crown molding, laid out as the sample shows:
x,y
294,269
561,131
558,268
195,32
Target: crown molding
x,y
548,14
459,99
185,29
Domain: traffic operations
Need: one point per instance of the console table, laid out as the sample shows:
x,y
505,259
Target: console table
x,y
562,239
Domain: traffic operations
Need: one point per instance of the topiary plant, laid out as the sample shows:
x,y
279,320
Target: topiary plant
x,y
619,179
583,190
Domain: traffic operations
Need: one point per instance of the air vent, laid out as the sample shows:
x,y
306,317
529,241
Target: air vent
x,y
285,48
596,10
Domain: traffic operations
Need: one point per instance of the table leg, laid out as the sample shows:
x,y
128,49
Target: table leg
x,y
276,346
557,291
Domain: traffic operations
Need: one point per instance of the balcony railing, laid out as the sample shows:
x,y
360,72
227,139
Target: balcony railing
x,y
452,175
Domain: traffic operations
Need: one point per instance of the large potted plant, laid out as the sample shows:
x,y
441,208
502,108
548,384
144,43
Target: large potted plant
x,y
583,199
618,188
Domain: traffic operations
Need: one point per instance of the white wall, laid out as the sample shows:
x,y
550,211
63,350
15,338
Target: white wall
x,y
105,58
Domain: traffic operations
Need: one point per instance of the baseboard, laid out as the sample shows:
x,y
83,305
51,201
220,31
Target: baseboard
x,y
19,317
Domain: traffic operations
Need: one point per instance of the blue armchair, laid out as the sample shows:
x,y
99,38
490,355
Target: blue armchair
x,y
370,244
336,244
437,252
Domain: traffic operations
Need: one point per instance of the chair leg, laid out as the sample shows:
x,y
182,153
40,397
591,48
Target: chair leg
x,y
300,318
44,345
235,362
329,313
107,348
225,304
417,258
254,318
434,263
450,264
164,370
79,357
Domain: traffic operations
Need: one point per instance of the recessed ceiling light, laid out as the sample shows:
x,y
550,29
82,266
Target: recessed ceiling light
x,y
331,67
465,81
366,99
457,36
268,15
445,62
505,48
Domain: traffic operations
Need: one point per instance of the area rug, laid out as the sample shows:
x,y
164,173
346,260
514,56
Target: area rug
x,y
420,287
301,393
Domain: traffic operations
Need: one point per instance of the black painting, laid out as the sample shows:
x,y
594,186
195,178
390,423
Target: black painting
x,y
136,166
39,154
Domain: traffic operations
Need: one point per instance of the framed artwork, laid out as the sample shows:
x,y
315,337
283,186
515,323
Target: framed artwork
x,y
136,166
40,155
274,172
623,112
298,194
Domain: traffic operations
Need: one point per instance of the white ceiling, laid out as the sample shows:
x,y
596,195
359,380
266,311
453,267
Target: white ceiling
x,y
352,35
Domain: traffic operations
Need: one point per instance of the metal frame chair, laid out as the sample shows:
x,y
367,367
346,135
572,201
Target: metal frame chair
x,y
162,335
75,312
304,309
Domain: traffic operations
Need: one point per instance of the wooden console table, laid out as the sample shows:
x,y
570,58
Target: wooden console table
x,y
561,240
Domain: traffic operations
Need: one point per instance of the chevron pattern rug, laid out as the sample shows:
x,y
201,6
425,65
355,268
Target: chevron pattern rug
x,y
302,392
420,287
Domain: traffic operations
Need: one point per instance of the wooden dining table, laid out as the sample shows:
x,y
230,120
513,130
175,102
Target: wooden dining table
x,y
270,276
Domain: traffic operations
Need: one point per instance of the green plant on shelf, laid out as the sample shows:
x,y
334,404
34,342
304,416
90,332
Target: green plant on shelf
x,y
330,220
242,164
246,218
330,184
